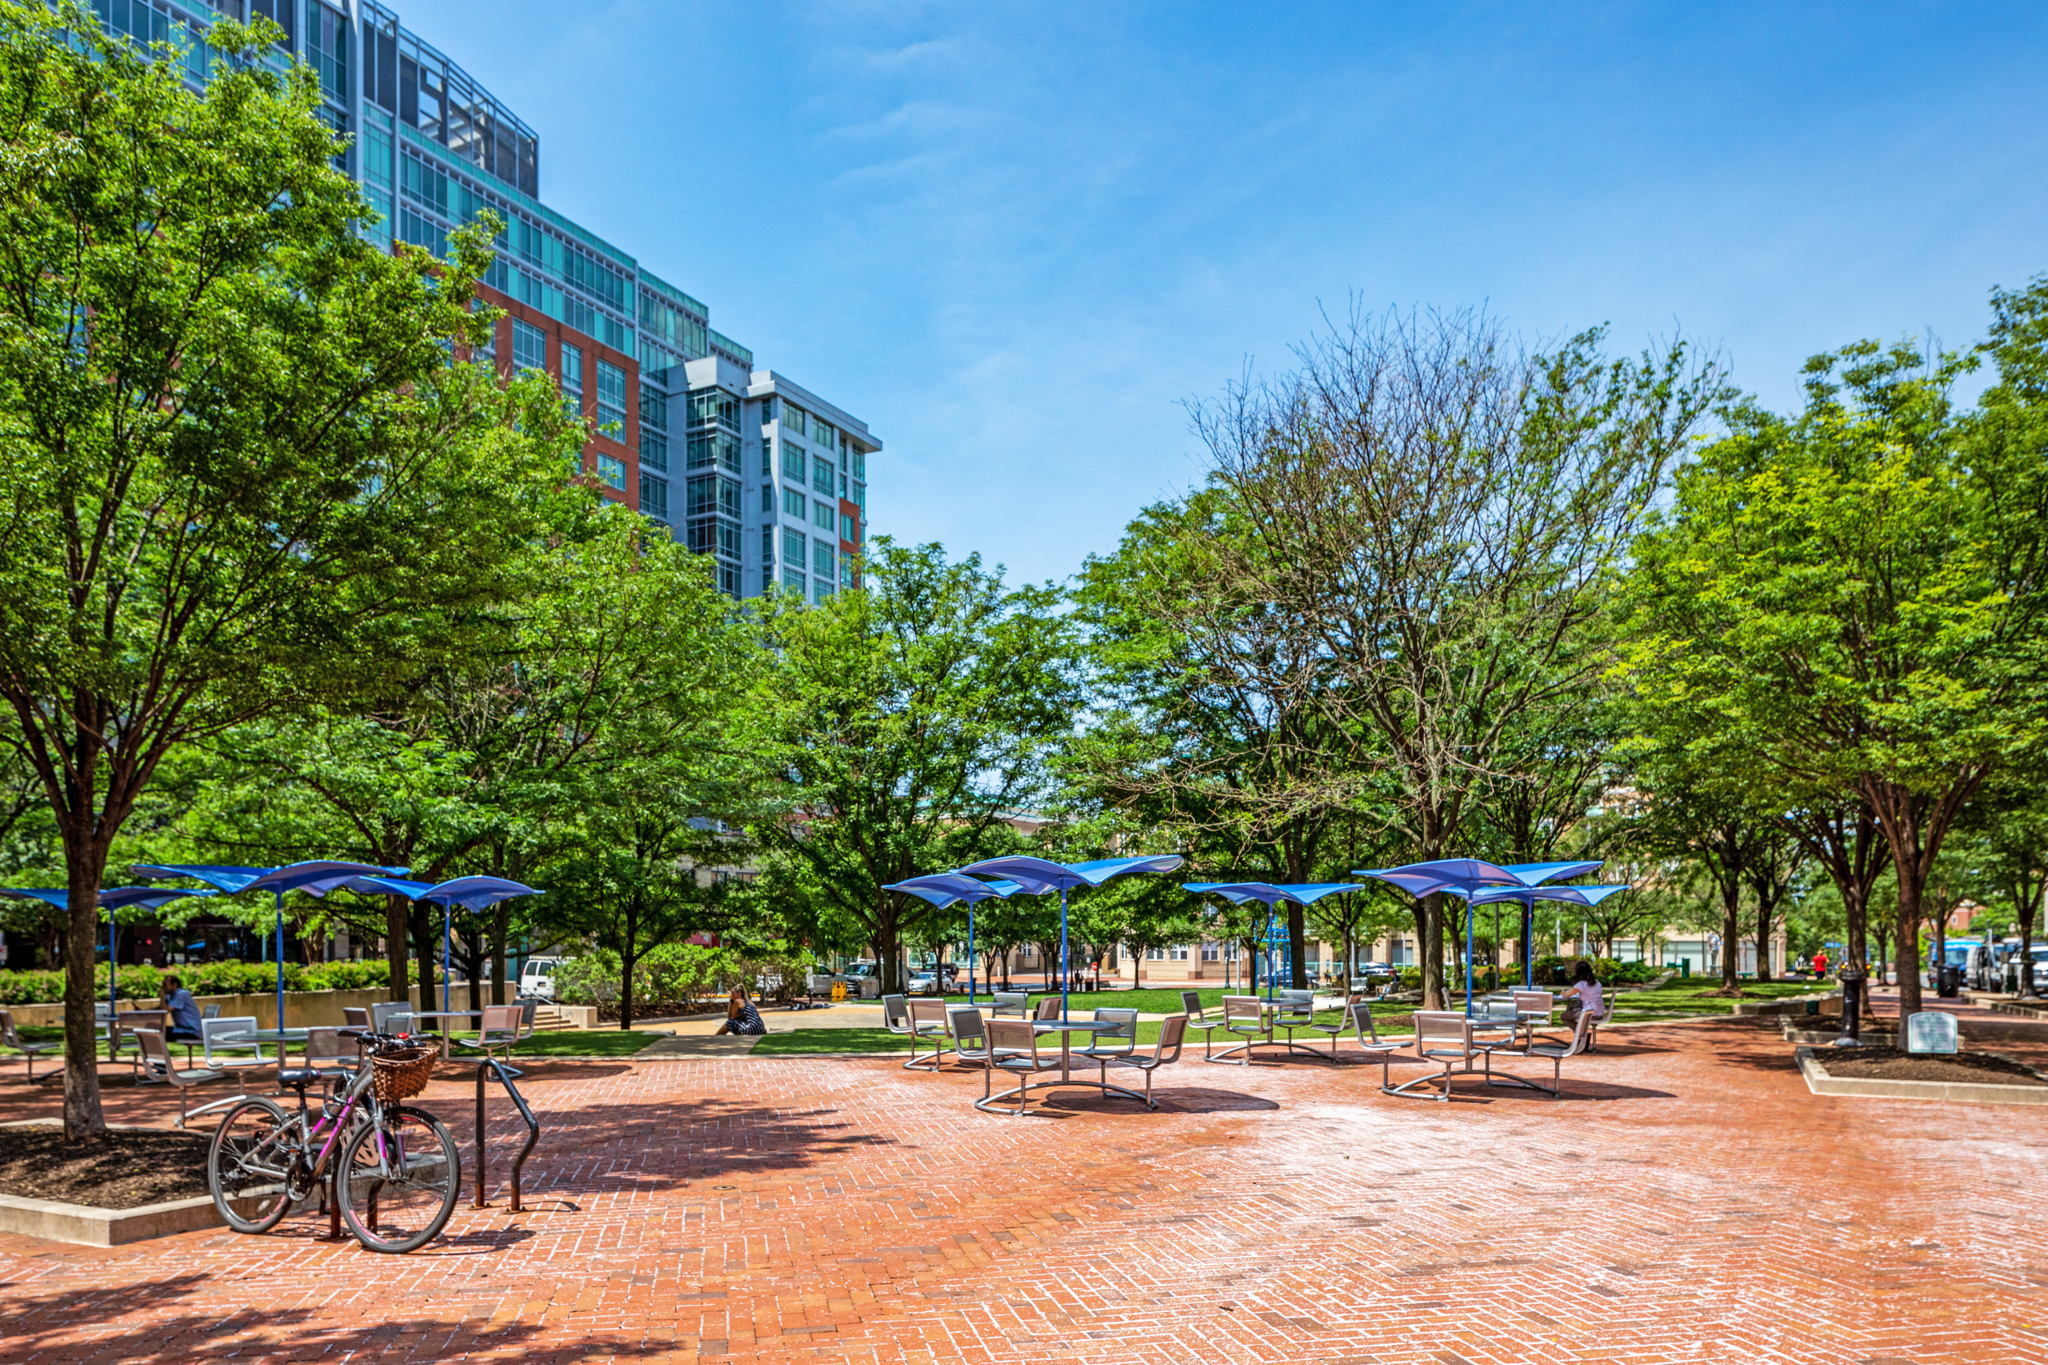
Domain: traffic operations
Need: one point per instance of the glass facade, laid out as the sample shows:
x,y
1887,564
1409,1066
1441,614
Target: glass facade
x,y
433,149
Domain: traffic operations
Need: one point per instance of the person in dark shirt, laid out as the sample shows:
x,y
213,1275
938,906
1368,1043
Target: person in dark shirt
x,y
184,1011
740,1014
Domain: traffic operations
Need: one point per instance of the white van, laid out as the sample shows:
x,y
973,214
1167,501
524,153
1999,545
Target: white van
x,y
537,977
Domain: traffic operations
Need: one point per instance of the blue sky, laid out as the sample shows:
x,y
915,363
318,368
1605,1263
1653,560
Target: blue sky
x,y
1016,238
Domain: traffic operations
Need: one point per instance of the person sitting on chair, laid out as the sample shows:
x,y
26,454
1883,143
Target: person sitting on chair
x,y
1582,996
740,1014
184,1012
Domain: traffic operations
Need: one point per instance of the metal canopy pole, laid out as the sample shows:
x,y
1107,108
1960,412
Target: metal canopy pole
x,y
1063,952
447,940
278,903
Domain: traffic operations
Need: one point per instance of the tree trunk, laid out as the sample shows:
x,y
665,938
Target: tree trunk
x,y
629,957
1429,949
1766,913
397,957
501,929
2025,986
1297,946
427,954
1731,934
85,862
1137,969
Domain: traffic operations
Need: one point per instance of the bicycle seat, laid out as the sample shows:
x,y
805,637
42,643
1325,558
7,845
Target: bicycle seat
x,y
299,1077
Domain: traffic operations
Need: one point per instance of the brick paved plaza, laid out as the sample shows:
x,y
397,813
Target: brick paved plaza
x,y
1689,1201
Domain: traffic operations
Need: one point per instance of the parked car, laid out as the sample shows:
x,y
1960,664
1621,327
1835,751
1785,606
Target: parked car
x,y
537,977
2010,977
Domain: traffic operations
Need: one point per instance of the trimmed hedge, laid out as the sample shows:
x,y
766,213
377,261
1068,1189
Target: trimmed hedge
x,y
143,982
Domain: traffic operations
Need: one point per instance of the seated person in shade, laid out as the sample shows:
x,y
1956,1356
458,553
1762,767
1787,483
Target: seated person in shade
x,y
740,1014
1582,996
184,1011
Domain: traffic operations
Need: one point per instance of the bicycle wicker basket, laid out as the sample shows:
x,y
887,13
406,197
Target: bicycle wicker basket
x,y
401,1074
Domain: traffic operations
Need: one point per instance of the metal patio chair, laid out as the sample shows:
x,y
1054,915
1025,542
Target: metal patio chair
x,y
1013,1049
29,1051
1173,1029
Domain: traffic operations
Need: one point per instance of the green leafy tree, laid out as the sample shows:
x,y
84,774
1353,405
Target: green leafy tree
x,y
240,474
915,715
1854,594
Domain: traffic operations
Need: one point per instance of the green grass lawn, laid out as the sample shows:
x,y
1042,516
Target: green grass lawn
x,y
1679,999
602,1042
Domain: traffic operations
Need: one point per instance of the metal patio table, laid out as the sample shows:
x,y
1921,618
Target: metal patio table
x,y
446,1014
1067,1028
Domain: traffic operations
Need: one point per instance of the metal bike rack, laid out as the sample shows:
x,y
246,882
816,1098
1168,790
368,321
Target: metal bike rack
x,y
490,1066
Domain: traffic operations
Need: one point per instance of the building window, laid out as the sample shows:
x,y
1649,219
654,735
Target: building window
x,y
767,499
823,435
1212,952
611,398
823,477
729,579
793,503
860,464
327,50
793,544
792,420
653,409
1155,954
529,346
612,471
653,495
715,405
708,448
860,498
653,449
793,579
821,516
1179,952
849,529
824,561
572,372
821,589
792,463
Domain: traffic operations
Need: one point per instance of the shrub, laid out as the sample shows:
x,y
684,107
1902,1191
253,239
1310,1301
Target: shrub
x,y
143,982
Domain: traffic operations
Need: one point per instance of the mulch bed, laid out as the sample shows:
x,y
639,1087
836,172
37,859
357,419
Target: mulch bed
x,y
123,1168
1968,1068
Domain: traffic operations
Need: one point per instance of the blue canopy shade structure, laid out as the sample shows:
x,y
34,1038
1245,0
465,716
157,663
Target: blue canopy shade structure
x,y
1480,882
1271,894
1035,876
471,893
111,899
950,888
314,876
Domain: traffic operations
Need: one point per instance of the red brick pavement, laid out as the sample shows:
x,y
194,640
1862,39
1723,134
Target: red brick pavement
x,y
1688,1202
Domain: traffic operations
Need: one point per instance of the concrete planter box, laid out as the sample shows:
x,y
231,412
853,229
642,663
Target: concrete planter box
x,y
1872,1035
83,1225
87,1226
1813,1066
1828,1003
578,1016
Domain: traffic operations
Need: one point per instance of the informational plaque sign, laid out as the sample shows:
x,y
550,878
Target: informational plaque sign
x,y
1930,1031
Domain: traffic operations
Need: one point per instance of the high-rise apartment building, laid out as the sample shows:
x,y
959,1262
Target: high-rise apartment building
x,y
741,463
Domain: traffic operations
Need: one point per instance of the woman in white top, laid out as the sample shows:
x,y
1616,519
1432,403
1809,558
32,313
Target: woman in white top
x,y
1582,996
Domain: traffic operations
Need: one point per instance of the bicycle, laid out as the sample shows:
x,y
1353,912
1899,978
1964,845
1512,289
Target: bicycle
x,y
392,1171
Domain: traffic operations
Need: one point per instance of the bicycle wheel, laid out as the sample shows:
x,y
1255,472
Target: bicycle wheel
x,y
249,1164
398,1180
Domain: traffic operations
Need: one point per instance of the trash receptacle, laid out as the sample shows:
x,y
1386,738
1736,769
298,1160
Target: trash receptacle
x,y
1948,981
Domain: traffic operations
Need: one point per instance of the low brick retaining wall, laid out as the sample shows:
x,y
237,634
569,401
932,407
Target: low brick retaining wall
x,y
1813,1067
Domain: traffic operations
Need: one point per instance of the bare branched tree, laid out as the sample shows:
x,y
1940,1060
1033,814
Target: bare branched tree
x,y
1433,510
